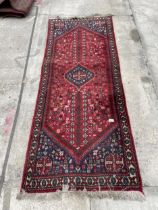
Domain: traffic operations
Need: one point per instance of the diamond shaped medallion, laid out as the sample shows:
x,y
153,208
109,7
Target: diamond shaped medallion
x,y
79,75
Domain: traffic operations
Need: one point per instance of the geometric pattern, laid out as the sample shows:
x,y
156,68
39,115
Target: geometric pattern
x,y
79,76
81,135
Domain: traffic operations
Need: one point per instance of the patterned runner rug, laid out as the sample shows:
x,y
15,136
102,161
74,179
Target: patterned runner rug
x,y
81,135
15,7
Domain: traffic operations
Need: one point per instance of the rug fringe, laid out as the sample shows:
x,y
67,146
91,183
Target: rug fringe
x,y
93,16
114,195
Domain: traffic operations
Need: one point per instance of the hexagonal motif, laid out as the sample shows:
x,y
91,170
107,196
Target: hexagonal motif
x,y
79,75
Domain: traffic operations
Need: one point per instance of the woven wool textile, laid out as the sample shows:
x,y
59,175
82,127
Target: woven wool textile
x,y
81,135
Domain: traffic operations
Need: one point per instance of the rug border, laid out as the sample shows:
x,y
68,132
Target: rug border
x,y
35,109
131,133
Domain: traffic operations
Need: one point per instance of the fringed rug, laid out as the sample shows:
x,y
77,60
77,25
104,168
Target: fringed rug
x,y
15,7
81,136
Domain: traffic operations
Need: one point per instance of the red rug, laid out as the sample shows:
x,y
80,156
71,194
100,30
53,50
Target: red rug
x,y
15,7
81,135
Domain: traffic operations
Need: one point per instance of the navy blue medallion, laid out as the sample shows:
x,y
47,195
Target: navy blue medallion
x,y
79,76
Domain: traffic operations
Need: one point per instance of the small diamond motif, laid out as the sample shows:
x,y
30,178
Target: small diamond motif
x,y
79,75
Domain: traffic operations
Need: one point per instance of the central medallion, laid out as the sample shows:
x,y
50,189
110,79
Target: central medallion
x,y
79,76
